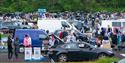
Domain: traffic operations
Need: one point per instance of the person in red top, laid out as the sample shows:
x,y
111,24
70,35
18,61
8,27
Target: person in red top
x,y
27,41
60,35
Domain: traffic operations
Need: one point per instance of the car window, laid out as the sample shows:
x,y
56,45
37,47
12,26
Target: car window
x,y
42,36
64,24
6,23
123,23
118,24
71,46
83,46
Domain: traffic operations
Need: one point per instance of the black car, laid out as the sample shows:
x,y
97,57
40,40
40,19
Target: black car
x,y
77,51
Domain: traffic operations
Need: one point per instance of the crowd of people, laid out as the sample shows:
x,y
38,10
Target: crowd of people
x,y
115,37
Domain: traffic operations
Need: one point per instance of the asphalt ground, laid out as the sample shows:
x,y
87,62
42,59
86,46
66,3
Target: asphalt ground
x,y
4,57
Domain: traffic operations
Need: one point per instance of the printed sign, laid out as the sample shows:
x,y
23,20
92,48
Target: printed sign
x,y
37,53
42,13
42,10
28,53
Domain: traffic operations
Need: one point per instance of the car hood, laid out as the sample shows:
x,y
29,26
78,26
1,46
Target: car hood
x,y
104,50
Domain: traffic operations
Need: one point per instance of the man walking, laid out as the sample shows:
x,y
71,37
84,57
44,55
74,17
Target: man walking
x,y
10,47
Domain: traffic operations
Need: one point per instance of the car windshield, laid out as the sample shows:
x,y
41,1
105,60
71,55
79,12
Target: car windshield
x,y
78,24
71,46
64,24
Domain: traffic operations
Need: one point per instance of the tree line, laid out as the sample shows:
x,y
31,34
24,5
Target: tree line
x,y
62,5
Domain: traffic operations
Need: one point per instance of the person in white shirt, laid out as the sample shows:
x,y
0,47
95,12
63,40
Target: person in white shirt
x,y
71,38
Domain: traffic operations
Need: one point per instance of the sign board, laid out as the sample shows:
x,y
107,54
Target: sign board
x,y
42,13
41,10
28,53
37,53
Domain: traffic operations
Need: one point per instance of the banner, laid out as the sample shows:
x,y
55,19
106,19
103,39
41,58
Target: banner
x,y
37,53
28,53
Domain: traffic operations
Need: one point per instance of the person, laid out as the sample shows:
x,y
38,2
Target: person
x,y
106,42
123,40
27,41
114,40
16,47
64,33
51,40
60,35
10,47
99,41
71,38
119,39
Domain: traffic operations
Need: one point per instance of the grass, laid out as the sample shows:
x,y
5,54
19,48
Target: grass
x,y
104,60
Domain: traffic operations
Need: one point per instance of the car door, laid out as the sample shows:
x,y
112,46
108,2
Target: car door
x,y
73,51
87,52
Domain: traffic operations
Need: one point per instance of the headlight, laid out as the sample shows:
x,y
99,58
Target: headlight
x,y
110,52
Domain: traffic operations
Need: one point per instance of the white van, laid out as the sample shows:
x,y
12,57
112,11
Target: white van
x,y
120,23
53,24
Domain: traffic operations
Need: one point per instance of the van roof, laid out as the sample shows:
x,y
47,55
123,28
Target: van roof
x,y
30,29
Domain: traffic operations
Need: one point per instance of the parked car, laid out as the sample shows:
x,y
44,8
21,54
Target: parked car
x,y
3,28
14,25
121,61
77,51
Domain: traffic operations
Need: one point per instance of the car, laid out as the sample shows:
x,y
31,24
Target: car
x,y
3,28
77,51
121,61
15,25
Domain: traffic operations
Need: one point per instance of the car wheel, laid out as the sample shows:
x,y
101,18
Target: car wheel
x,y
101,55
62,58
